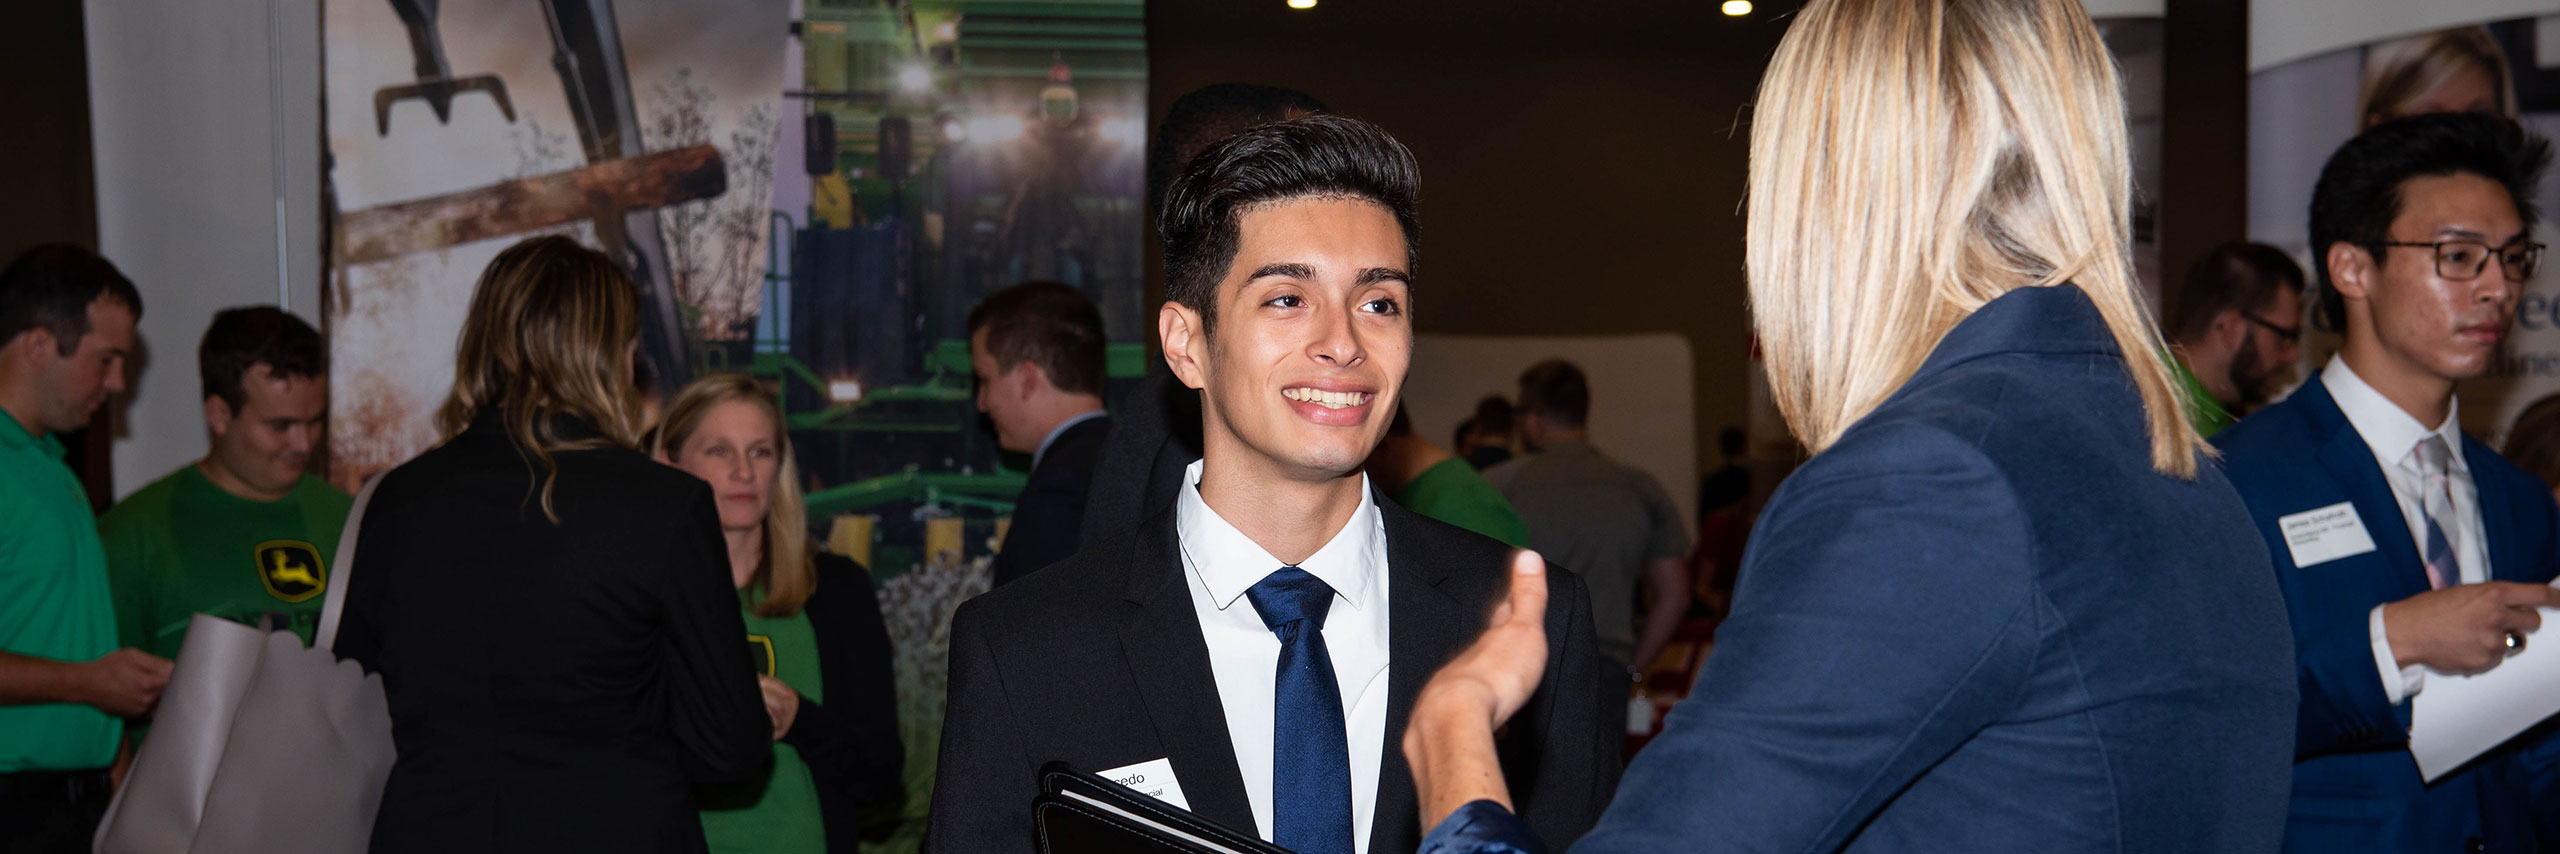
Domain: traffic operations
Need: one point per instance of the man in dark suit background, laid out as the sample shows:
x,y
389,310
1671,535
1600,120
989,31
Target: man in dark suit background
x,y
2404,547
1238,642
1036,351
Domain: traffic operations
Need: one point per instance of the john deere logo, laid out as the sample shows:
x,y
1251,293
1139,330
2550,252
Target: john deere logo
x,y
761,646
291,570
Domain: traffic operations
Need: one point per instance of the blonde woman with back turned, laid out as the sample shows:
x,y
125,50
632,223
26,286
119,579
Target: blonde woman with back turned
x,y
550,610
2008,605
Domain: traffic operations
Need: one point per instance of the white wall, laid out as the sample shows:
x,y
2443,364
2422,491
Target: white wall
x,y
197,137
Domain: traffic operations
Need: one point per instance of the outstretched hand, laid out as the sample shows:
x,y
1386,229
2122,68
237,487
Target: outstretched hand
x,y
1449,739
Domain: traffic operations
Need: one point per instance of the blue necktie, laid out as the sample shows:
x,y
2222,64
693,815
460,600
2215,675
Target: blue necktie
x,y
1310,749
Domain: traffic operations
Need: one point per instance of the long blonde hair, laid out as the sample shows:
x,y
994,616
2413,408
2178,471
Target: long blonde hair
x,y
788,570
1911,160
549,334
2399,70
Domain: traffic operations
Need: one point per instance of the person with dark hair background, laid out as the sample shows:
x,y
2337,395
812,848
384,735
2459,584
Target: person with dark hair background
x,y
1610,520
2401,544
1238,642
246,533
1035,350
1425,478
2236,332
1485,438
2533,442
66,332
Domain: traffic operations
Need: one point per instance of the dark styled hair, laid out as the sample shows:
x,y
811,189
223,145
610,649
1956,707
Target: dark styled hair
x,y
2358,196
247,336
1556,391
51,287
1211,113
1318,156
1049,324
2238,277
1493,415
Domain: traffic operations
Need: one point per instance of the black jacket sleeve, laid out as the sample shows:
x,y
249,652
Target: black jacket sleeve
x,y
715,709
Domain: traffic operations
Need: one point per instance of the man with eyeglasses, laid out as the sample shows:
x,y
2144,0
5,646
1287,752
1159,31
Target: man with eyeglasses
x,y
2404,548
2236,331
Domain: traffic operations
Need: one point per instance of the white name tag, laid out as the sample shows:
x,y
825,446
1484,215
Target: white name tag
x,y
1152,779
2325,534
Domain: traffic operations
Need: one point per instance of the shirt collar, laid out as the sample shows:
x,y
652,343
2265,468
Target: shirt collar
x,y
1228,563
2391,432
1061,430
15,435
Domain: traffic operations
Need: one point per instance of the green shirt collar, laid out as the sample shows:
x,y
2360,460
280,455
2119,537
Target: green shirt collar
x,y
2203,412
14,435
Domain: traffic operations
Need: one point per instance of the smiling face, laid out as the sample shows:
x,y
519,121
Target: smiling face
x,y
1300,375
263,447
2418,323
733,448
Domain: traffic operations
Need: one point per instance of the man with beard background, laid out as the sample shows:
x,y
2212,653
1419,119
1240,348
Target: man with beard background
x,y
2238,328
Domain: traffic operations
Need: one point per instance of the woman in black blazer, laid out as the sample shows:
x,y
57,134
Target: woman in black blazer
x,y
812,623
548,608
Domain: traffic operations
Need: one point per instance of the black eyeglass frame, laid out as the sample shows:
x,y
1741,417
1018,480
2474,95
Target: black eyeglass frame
x,y
2516,273
2289,333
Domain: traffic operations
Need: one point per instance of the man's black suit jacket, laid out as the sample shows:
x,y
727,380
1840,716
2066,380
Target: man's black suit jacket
x,y
1051,510
1100,661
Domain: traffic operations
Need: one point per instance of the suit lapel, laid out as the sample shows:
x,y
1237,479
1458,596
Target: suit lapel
x,y
2351,462
1426,624
2499,519
1170,662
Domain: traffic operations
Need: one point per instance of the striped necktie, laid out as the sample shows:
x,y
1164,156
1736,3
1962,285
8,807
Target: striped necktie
x,y
2435,501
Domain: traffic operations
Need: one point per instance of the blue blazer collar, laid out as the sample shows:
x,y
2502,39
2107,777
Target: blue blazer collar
x,y
2056,319
2343,451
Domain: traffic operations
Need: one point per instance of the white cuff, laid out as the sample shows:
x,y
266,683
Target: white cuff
x,y
2409,681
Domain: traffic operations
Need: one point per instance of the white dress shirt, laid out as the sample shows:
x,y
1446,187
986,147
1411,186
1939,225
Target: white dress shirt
x,y
1244,655
2393,435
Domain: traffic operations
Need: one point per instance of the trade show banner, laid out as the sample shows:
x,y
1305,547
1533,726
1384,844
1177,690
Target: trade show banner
x,y
813,192
2321,71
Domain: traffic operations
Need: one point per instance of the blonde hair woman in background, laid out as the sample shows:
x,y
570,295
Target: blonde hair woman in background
x,y
2458,70
2007,605
727,430
549,609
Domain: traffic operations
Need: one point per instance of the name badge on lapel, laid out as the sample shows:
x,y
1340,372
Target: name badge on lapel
x,y
2325,534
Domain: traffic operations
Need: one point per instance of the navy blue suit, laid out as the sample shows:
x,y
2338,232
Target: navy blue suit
x,y
2355,788
1981,622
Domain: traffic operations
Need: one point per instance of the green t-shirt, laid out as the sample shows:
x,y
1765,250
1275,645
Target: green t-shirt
x,y
53,602
182,545
1451,491
776,811
2204,412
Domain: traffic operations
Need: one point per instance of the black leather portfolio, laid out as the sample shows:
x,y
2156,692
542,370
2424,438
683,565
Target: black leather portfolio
x,y
1081,813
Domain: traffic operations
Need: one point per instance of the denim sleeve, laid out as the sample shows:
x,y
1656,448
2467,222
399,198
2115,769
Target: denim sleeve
x,y
1481,827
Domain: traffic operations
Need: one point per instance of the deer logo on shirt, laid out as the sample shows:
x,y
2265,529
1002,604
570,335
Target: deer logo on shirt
x,y
291,570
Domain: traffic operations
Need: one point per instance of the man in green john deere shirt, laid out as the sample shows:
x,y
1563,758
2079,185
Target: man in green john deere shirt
x,y
66,327
243,534
2236,331
1428,479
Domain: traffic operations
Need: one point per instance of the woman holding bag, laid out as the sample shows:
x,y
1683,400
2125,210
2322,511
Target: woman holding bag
x,y
813,625
548,608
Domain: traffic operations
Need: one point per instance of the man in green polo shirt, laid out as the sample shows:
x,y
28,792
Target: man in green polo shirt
x,y
1428,479
2236,331
243,534
66,326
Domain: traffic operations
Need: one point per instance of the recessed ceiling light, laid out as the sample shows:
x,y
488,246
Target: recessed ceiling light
x,y
1737,8
1302,4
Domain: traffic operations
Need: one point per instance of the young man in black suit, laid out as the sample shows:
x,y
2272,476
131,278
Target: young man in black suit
x,y
1236,651
1036,351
